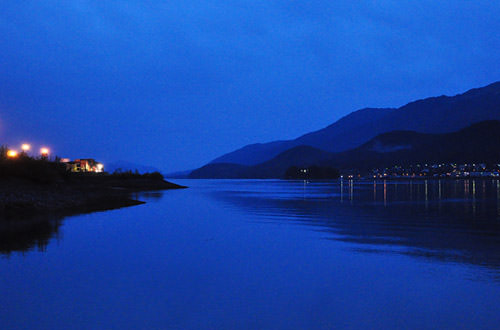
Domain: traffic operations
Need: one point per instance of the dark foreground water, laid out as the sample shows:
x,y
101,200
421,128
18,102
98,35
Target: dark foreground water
x,y
264,255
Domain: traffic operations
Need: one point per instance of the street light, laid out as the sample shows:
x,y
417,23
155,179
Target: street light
x,y
44,152
12,154
26,147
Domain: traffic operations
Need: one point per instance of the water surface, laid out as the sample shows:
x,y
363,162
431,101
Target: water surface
x,y
264,254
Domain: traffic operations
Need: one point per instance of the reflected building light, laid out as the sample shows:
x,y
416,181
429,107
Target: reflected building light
x,y
385,193
351,190
426,186
439,197
439,187
474,197
341,189
498,198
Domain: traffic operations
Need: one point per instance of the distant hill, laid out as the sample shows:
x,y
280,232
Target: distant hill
x,y
178,174
222,171
441,114
478,143
298,156
124,166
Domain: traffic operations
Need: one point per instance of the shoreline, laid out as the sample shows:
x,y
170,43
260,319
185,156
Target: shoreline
x,y
420,178
21,198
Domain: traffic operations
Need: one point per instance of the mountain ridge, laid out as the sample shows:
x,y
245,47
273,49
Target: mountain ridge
x,y
476,143
438,114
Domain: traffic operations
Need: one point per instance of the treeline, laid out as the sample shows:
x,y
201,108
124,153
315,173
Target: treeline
x,y
23,166
44,170
135,174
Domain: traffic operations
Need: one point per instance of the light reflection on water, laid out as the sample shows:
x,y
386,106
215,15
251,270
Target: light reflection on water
x,y
446,220
457,220
266,254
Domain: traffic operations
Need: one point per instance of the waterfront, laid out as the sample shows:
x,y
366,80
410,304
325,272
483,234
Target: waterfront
x,y
265,254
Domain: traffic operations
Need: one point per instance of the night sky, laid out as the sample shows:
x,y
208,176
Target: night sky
x,y
175,84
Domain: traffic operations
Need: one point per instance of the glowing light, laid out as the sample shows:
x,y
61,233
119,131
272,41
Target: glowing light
x,y
12,154
44,151
100,167
26,147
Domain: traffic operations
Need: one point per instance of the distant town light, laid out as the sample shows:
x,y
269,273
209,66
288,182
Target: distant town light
x,y
44,151
12,154
26,147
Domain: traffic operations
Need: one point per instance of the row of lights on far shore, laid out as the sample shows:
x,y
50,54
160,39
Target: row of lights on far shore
x,y
25,147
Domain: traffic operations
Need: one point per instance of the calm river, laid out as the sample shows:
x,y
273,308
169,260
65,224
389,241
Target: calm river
x,y
228,254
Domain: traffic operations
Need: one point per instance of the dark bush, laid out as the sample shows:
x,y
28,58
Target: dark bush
x,y
135,174
36,170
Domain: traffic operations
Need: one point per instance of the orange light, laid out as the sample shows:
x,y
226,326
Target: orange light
x,y
26,147
44,151
12,154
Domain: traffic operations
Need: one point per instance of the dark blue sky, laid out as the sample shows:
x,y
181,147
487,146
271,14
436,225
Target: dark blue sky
x,y
176,83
